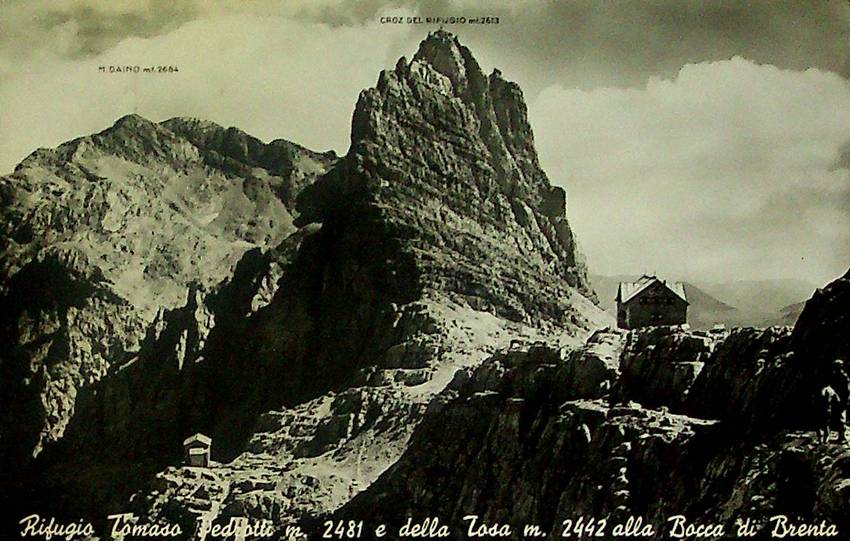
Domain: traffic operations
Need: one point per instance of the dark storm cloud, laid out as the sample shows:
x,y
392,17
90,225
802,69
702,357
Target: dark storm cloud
x,y
593,43
659,37
75,29
98,30
583,43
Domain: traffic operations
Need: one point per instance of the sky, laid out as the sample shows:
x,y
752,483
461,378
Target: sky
x,y
698,140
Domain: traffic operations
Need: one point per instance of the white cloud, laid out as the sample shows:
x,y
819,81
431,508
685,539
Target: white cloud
x,y
271,76
724,172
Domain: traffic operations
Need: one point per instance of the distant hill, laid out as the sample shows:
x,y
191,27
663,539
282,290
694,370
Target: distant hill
x,y
760,296
606,289
786,316
757,303
705,311
763,303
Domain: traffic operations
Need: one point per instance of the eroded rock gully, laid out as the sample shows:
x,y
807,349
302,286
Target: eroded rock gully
x,y
401,330
165,278
650,424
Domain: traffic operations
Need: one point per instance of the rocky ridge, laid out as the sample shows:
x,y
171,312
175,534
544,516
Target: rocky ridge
x,y
103,233
297,307
649,423
715,426
406,330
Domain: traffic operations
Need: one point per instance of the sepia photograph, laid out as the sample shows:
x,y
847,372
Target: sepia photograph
x,y
300,270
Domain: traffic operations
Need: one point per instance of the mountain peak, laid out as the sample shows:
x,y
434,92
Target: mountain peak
x,y
132,120
443,52
131,130
178,124
438,42
438,132
132,126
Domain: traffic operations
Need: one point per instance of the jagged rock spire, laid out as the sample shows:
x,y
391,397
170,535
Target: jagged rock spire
x,y
437,131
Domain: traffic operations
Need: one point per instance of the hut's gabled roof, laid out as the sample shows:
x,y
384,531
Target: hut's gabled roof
x,y
199,438
629,290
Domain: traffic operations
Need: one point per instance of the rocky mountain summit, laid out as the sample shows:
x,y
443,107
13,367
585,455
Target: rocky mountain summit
x,y
407,330
160,279
103,233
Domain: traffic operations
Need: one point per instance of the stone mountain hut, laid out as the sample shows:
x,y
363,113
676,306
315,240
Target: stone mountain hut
x,y
197,450
651,301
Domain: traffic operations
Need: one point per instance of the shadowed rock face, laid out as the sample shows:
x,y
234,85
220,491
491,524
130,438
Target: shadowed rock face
x,y
401,329
716,426
100,238
446,155
822,331
296,306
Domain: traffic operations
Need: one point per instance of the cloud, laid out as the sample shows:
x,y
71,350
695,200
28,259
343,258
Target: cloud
x,y
583,43
725,171
272,76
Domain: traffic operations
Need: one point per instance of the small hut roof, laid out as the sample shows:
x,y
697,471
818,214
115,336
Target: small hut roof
x,y
629,290
200,438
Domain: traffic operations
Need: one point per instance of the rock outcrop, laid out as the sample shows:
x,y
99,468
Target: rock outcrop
x,y
646,424
822,331
403,331
302,309
104,232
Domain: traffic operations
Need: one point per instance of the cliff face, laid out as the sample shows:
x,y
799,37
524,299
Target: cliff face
x,y
652,423
446,156
106,231
299,308
402,330
822,331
